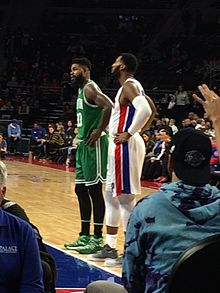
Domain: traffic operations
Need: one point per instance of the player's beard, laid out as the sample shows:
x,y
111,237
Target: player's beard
x,y
115,74
78,81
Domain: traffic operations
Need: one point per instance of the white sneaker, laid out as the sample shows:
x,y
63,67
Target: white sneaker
x,y
114,262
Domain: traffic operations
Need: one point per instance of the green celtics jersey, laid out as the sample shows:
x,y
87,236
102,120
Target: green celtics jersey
x,y
88,115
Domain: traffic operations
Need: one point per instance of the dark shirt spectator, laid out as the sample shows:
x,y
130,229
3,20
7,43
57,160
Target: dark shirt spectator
x,y
148,141
54,137
52,142
155,167
37,133
69,133
61,130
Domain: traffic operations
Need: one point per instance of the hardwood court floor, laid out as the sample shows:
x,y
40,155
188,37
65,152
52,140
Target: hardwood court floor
x,y
48,197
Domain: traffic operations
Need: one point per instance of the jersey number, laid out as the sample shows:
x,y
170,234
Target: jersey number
x,y
79,119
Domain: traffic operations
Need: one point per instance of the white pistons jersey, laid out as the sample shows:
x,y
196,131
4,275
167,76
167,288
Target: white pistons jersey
x,y
122,115
125,161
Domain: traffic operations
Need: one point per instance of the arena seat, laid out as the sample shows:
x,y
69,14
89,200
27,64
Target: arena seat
x,y
197,270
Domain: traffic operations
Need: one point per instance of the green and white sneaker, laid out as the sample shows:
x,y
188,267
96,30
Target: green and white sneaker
x,y
82,240
95,244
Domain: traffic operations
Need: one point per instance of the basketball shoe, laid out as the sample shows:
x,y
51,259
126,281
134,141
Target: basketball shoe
x,y
95,244
81,241
114,262
106,252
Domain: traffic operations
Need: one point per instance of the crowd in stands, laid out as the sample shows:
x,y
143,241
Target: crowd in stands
x,y
41,58
38,63
58,143
21,98
157,145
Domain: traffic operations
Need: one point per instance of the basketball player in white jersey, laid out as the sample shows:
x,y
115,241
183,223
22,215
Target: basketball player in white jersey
x,y
132,111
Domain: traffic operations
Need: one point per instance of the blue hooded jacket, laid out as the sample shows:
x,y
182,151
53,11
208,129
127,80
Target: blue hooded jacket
x,y
162,226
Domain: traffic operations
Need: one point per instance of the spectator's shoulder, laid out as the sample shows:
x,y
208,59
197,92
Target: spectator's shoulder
x,y
10,219
150,203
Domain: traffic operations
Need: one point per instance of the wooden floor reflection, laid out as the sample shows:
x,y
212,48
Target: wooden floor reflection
x,y
47,195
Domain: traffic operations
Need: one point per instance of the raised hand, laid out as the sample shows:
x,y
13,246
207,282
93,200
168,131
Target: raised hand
x,y
210,102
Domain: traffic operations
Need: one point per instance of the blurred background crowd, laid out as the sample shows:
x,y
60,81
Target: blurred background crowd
x,y
176,42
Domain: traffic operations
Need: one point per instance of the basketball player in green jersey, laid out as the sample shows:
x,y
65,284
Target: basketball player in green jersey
x,y
93,114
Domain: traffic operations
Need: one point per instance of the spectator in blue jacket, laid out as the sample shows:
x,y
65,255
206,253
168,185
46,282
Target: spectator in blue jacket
x,y
21,270
37,133
188,212
14,136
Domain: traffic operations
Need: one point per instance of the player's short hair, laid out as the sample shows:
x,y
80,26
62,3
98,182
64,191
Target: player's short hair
x,y
83,61
130,61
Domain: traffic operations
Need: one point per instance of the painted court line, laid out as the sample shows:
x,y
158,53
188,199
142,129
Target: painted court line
x,y
84,260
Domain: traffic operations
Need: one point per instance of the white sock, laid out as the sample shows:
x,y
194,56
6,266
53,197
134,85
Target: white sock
x,y
111,240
